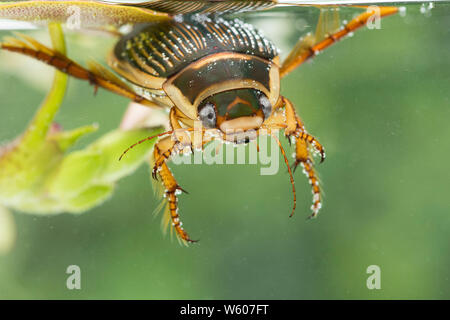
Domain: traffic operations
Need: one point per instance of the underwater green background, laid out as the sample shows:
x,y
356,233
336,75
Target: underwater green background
x,y
378,101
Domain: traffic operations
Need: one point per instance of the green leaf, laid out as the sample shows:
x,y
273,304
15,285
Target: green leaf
x,y
76,173
91,197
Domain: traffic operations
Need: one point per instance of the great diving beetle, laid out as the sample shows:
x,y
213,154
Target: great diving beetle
x,y
222,73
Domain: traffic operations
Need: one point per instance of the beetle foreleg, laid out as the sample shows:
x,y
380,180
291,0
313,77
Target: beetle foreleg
x,y
162,152
179,141
295,131
302,155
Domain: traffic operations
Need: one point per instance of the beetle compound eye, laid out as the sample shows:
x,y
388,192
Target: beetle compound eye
x,y
207,115
265,105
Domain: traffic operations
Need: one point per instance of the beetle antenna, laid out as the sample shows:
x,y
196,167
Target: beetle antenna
x,y
143,140
150,138
289,170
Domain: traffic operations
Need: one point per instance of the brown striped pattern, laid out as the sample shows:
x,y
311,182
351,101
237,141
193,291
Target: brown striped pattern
x,y
162,49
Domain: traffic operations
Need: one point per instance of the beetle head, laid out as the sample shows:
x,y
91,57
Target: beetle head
x,y
235,110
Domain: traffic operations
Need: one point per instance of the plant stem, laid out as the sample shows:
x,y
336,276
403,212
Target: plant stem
x,y
39,126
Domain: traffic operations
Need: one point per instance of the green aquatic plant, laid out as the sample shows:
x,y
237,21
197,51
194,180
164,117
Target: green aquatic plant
x,y
39,176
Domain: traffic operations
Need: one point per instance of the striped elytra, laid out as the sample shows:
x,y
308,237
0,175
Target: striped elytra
x,y
164,48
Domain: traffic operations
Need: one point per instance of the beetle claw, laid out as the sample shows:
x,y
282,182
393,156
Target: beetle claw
x,y
295,165
155,174
181,189
322,156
